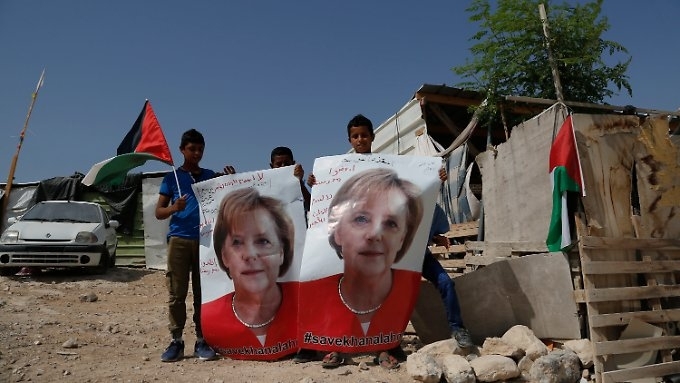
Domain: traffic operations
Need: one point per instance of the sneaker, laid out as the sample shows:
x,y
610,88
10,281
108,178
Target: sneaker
x,y
174,352
203,351
462,336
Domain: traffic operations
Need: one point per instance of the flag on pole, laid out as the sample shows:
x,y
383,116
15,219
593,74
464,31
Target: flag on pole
x,y
145,141
565,176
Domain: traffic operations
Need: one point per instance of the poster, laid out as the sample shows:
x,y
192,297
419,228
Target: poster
x,y
252,234
369,223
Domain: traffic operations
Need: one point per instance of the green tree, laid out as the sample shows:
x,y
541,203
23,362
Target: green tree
x,y
510,57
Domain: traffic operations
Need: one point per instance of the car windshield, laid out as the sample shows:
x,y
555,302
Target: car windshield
x,y
62,212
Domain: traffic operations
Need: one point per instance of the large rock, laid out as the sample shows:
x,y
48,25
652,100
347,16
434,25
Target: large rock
x,y
497,346
492,368
442,348
560,366
583,348
522,337
423,367
457,369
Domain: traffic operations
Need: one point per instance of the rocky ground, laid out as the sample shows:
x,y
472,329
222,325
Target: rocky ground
x,y
71,326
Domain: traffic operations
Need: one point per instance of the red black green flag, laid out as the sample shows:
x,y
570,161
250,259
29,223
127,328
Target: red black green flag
x,y
145,141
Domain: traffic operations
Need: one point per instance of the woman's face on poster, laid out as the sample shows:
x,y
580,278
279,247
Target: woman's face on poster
x,y
253,252
372,231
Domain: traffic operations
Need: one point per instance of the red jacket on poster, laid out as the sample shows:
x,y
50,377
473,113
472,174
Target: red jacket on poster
x,y
327,325
232,339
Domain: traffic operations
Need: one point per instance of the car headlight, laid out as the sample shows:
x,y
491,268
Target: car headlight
x,y
10,236
86,237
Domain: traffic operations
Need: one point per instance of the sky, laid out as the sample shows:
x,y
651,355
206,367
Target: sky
x,y
252,75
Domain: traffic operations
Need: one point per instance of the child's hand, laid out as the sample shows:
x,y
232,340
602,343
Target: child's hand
x,y
299,172
311,180
180,203
442,175
229,170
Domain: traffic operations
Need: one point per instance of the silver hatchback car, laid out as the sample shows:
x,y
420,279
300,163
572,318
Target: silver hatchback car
x,y
60,234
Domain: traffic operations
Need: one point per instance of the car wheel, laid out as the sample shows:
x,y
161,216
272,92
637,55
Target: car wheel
x,y
9,271
103,262
112,259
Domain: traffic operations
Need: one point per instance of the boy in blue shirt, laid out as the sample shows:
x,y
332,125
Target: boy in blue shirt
x,y
182,207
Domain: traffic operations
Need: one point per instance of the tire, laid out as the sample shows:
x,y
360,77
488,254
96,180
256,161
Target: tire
x,y
103,263
112,260
9,271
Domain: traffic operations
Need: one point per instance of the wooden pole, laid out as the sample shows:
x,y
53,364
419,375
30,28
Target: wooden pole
x,y
12,168
551,59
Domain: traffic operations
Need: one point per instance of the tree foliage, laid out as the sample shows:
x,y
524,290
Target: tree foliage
x,y
510,56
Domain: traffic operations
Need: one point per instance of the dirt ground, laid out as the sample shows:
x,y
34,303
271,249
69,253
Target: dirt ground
x,y
70,326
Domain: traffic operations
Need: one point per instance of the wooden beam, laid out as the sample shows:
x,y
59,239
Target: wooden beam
x,y
650,371
629,267
609,243
612,108
620,319
632,293
627,346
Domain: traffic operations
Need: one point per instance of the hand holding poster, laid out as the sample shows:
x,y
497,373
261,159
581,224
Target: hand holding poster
x,y
252,225
369,222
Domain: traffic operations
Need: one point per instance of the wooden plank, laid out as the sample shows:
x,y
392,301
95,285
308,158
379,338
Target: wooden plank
x,y
651,371
580,296
515,247
629,267
466,229
631,293
478,260
609,243
453,263
626,346
452,249
619,319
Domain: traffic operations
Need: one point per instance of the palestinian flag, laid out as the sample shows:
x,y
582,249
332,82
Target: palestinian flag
x,y
145,141
565,175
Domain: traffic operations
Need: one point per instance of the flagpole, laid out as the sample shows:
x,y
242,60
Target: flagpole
x,y
12,168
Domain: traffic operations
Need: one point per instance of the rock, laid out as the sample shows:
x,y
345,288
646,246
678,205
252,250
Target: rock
x,y
423,367
441,348
522,337
491,368
70,343
457,369
497,346
89,297
583,348
560,366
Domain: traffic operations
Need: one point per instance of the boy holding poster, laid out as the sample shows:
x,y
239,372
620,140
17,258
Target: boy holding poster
x,y
252,230
372,219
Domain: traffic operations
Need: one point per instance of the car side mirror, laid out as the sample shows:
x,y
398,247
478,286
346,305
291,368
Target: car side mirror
x,y
114,224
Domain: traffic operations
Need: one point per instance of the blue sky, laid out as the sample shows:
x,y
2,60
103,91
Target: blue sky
x,y
251,75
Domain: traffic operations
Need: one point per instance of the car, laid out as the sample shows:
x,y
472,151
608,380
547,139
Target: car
x,y
60,234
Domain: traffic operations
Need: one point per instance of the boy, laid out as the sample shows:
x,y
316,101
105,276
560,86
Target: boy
x,y
360,135
282,156
183,243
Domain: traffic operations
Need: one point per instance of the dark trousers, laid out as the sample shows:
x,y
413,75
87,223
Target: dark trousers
x,y
435,273
182,262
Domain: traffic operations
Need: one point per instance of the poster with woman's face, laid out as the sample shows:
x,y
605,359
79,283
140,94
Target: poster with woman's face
x,y
369,221
252,235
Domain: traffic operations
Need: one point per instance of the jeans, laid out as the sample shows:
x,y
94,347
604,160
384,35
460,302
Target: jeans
x,y
183,262
435,273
